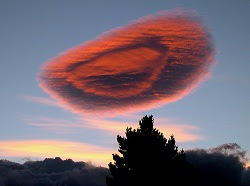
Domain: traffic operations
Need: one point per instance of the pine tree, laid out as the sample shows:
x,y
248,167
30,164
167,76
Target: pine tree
x,y
148,158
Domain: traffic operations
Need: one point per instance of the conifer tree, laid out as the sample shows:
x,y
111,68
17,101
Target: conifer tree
x,y
148,158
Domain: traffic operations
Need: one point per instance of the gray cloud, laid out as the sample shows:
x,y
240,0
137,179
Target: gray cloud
x,y
223,165
51,172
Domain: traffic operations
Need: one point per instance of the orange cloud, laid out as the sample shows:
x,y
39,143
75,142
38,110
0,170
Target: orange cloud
x,y
153,61
53,148
247,164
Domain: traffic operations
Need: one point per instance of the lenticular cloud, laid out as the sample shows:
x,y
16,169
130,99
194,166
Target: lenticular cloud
x,y
152,61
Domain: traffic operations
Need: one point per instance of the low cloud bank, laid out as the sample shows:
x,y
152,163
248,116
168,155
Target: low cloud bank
x,y
51,172
223,165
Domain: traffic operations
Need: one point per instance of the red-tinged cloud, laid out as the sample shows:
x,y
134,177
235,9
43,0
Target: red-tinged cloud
x,y
154,61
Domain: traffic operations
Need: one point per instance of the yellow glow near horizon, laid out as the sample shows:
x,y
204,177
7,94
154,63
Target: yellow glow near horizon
x,y
247,164
52,148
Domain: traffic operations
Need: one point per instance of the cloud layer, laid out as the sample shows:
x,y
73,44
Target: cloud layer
x,y
223,165
51,172
152,61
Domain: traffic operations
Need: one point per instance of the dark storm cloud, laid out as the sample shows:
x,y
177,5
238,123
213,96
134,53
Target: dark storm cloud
x,y
223,165
153,61
51,172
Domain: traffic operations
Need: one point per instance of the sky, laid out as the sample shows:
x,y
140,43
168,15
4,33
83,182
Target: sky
x,y
37,123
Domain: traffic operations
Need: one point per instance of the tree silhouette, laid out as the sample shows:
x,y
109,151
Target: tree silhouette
x,y
148,158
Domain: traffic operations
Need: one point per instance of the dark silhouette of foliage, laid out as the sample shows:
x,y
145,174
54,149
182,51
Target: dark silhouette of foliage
x,y
148,158
50,165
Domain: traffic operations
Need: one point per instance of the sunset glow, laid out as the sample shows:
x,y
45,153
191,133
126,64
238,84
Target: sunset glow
x,y
54,148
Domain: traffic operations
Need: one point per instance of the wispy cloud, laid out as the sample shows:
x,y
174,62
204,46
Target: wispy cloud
x,y
84,151
56,125
56,148
42,100
182,132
